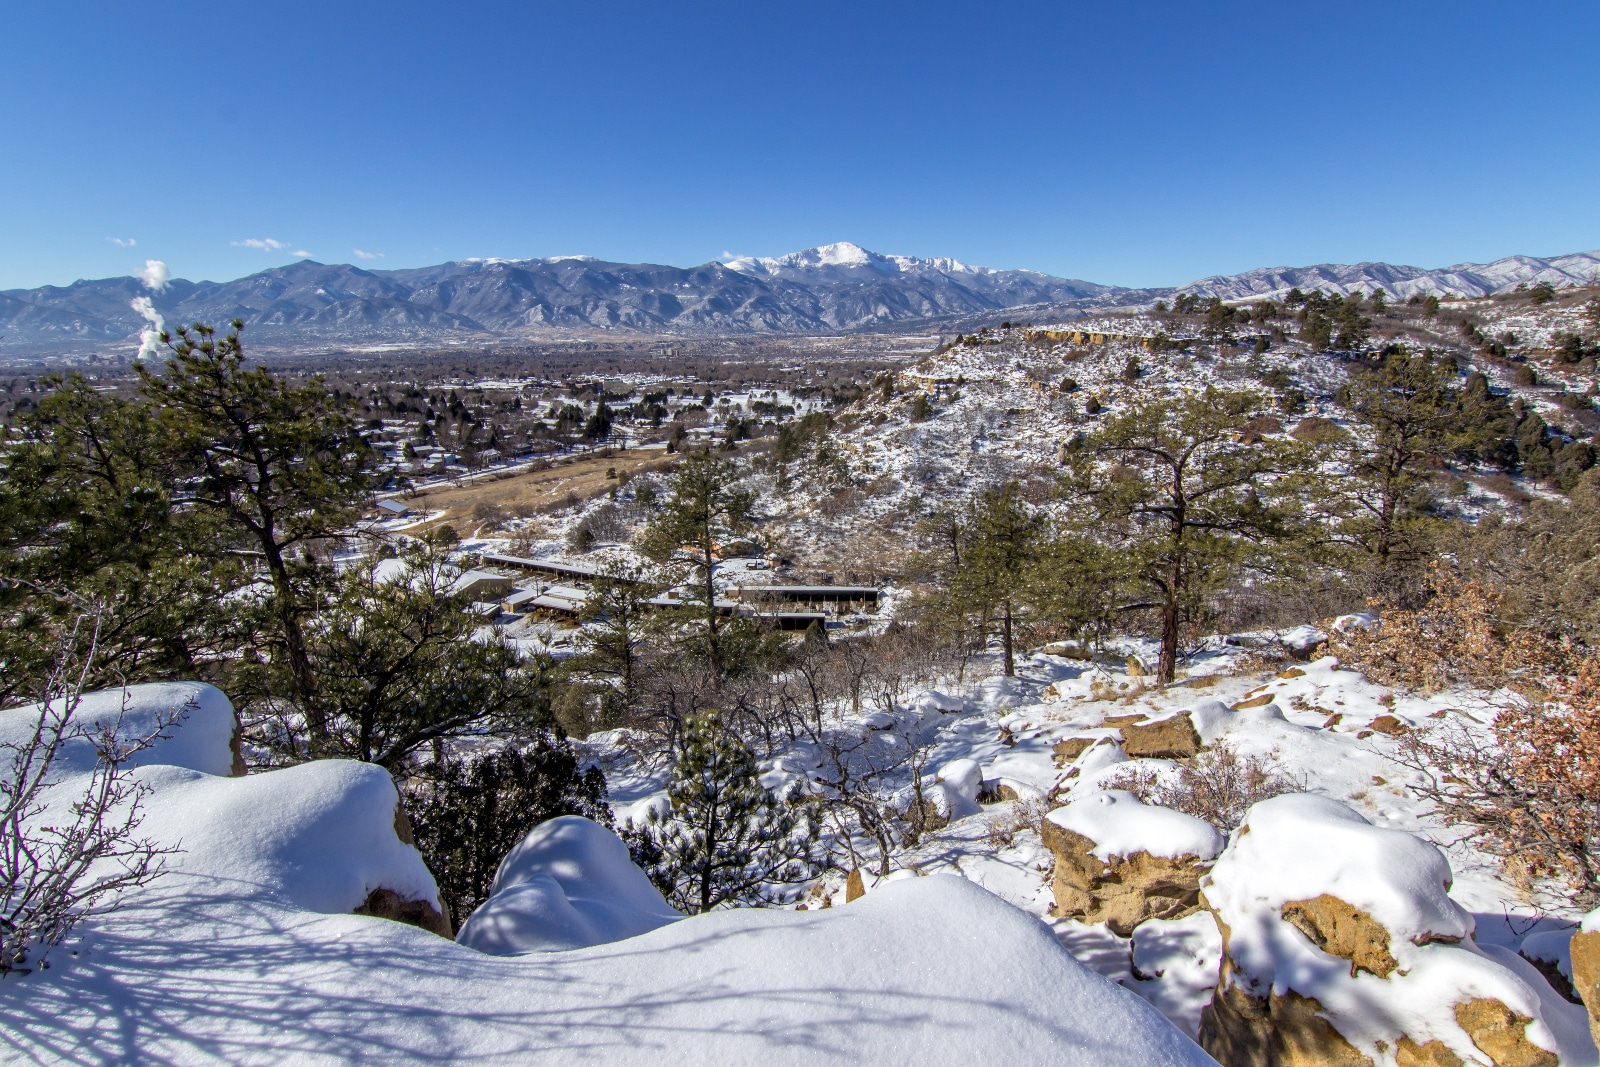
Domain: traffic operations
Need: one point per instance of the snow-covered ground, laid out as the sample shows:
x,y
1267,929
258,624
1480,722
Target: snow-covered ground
x,y
246,951
1312,723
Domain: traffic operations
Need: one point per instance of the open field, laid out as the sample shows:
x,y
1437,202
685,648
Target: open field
x,y
528,492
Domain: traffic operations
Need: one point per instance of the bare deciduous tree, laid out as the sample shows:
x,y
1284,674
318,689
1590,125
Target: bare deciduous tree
x,y
68,842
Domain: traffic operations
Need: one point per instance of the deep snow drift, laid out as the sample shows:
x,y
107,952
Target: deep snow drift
x,y
245,952
569,884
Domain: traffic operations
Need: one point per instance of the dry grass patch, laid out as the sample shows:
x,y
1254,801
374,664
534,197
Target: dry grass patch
x,y
534,491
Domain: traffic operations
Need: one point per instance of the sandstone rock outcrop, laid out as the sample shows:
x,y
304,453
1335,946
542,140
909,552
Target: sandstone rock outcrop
x,y
1240,1030
1342,930
1502,1034
387,904
1323,916
1146,864
1173,738
1586,975
1070,748
1388,724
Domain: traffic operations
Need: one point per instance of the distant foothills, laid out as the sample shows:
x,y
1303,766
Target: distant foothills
x,y
837,288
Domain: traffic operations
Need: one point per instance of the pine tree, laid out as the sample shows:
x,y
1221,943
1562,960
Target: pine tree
x,y
705,510
1416,420
1188,498
728,840
468,813
398,668
619,615
281,466
1002,540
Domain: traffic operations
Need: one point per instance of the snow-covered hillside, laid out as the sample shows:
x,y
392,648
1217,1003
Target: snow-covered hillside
x,y
1065,731
247,951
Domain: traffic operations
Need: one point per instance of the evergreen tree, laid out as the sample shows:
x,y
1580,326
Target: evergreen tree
x,y
1416,420
467,814
1316,330
704,511
1187,498
1076,583
727,840
86,509
619,616
398,668
280,466
1218,327
1002,540
598,426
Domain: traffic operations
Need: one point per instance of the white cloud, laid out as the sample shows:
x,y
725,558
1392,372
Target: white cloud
x,y
122,242
300,253
155,275
150,336
366,255
266,244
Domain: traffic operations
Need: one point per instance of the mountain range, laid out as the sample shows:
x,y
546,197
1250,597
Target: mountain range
x,y
836,288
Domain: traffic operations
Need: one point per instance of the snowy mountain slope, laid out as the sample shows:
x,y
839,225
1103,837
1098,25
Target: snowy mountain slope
x,y
833,288
1462,279
830,289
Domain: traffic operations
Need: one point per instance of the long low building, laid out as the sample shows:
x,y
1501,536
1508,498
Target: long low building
x,y
813,595
570,571
807,594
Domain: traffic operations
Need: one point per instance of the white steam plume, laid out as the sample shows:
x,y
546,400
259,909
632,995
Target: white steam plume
x,y
155,275
150,336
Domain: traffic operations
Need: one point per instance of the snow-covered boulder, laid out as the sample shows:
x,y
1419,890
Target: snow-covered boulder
x,y
931,971
1212,719
1342,945
328,836
196,722
569,884
1171,738
963,777
956,789
1302,640
933,702
1121,862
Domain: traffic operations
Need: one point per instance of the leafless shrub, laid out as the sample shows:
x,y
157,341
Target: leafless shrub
x,y
528,537
1003,826
1524,790
1218,785
488,514
53,875
841,502
1456,636
855,790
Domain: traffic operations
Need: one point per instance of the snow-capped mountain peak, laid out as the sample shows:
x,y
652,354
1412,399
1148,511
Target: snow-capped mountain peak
x,y
850,256
838,254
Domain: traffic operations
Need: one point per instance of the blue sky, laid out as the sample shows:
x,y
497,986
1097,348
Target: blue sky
x,y
1130,143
